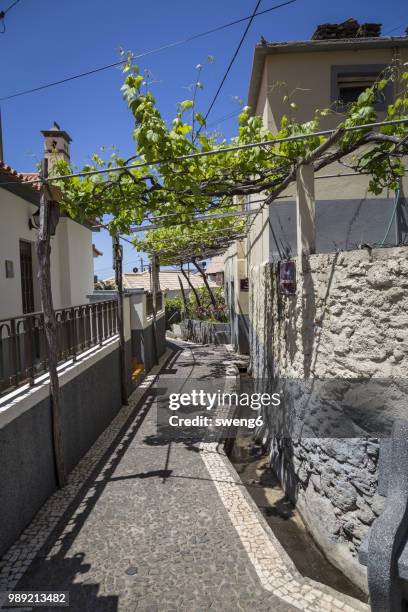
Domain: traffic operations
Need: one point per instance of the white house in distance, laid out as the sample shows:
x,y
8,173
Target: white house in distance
x,y
215,270
71,247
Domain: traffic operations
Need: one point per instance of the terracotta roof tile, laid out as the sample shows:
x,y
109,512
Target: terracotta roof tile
x,y
168,280
22,177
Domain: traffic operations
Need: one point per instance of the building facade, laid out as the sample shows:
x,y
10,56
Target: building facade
x,y
71,247
323,74
340,321
215,270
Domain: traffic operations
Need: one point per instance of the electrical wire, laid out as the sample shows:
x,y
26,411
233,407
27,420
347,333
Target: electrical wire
x,y
394,29
224,118
4,13
194,220
220,206
225,233
128,262
12,5
140,55
99,270
224,78
251,145
401,25
222,233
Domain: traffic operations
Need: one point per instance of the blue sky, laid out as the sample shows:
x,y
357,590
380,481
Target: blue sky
x,y
46,40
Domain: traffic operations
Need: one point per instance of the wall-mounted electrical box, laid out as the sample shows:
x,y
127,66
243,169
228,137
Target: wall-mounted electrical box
x,y
244,284
287,277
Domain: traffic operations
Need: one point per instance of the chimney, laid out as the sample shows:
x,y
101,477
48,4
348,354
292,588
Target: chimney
x,y
56,145
348,29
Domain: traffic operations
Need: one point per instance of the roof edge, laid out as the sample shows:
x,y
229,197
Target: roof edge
x,y
271,48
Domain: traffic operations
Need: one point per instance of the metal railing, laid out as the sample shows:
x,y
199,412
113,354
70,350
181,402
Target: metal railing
x,y
149,303
23,353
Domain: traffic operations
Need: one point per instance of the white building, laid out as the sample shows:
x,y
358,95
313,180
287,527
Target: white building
x,y
71,247
215,270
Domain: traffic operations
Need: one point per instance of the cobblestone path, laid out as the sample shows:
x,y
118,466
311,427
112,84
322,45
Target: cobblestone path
x,y
145,525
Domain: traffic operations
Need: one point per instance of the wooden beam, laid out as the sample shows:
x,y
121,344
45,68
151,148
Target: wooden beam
x,y
155,289
118,267
43,247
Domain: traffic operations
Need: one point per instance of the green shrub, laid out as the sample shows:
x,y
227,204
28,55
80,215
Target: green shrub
x,y
208,312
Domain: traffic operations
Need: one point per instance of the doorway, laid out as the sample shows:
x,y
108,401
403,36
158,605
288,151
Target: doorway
x,y
27,285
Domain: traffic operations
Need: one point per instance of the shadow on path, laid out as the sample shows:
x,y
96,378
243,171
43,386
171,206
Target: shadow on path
x,y
52,569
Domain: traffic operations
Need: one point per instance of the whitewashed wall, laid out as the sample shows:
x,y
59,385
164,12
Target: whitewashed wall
x,y
14,215
71,258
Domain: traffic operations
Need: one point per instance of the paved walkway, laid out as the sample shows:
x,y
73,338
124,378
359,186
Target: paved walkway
x,y
147,525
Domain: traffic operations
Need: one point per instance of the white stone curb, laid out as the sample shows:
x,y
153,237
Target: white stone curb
x,y
272,564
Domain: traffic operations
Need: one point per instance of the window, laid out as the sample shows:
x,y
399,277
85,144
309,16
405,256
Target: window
x,y
348,82
351,86
26,266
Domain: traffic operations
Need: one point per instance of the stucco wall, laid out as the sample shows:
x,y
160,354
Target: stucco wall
x,y
340,224
15,212
143,342
72,264
348,321
71,258
307,76
90,398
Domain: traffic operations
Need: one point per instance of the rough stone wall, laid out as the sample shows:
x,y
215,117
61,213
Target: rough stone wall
x,y
348,321
206,332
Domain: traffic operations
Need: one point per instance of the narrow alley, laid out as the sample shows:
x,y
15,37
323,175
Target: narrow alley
x,y
155,526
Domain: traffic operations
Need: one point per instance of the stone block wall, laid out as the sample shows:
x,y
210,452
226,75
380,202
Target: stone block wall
x,y
347,322
206,332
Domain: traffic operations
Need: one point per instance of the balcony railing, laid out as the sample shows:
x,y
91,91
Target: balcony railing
x,y
149,303
23,353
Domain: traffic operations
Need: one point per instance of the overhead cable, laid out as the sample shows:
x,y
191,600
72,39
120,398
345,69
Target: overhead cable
x,y
252,145
140,55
